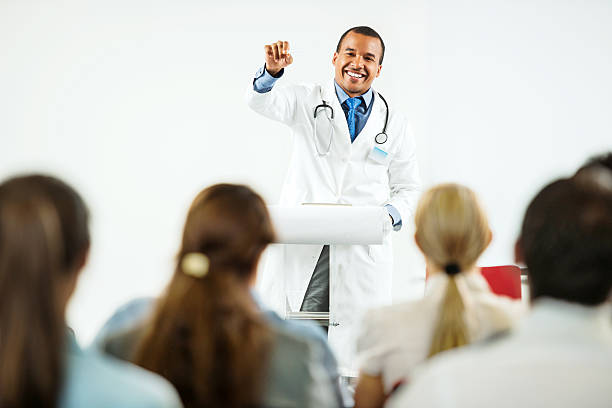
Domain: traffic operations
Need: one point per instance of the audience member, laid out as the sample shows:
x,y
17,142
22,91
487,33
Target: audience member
x,y
600,161
207,334
458,308
597,170
44,242
561,354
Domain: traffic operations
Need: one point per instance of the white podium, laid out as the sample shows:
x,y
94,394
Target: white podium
x,y
325,224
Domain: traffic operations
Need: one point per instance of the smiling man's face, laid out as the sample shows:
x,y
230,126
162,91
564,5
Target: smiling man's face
x,y
357,63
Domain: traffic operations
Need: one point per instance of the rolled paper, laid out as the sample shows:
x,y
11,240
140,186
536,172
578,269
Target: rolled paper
x,y
330,224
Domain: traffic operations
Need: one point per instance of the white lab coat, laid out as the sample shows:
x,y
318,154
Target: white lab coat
x,y
360,275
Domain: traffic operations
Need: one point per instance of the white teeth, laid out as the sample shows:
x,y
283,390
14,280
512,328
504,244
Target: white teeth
x,y
354,75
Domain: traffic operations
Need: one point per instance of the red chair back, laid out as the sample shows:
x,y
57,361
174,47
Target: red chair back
x,y
504,280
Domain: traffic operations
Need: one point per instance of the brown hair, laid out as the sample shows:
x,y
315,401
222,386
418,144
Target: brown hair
x,y
44,238
207,337
452,231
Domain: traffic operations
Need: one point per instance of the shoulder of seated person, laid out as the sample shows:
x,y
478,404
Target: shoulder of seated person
x,y
306,329
103,381
122,344
388,314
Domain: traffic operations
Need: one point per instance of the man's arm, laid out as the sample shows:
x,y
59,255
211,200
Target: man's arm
x,y
280,104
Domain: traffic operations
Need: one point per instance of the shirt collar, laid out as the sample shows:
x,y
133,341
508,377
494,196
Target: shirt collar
x,y
342,96
567,320
257,299
71,344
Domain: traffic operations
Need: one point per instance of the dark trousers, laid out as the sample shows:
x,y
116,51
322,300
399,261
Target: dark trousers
x,y
316,298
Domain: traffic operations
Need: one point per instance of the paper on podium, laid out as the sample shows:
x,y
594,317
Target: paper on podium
x,y
330,224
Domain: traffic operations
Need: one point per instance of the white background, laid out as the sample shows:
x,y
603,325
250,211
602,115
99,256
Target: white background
x,y
139,105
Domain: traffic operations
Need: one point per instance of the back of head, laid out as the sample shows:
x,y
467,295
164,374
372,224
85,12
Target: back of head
x,y
566,241
207,337
452,232
451,227
44,238
601,161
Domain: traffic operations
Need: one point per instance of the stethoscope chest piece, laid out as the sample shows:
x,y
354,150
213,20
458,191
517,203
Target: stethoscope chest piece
x,y
381,138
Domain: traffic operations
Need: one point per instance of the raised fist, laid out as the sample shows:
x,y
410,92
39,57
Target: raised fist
x,y
277,56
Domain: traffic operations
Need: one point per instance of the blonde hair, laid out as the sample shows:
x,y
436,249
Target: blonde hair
x,y
452,231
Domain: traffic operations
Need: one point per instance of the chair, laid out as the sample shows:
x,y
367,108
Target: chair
x,y
503,280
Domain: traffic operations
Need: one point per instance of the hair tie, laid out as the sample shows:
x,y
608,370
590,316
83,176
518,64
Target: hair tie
x,y
195,264
452,269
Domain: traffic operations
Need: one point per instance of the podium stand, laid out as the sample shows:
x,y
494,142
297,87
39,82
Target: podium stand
x,y
328,224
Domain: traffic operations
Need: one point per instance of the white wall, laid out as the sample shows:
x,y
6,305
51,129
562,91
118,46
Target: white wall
x,y
139,104
520,93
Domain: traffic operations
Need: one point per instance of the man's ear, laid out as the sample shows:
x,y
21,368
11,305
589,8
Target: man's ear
x,y
416,240
489,239
378,71
82,259
334,58
518,252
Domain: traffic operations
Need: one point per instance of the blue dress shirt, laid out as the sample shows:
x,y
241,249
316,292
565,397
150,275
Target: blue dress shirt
x,y
264,82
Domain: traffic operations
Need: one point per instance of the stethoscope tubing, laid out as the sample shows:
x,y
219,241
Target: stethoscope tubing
x,y
379,140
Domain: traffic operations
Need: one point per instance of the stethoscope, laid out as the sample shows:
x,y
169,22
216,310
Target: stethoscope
x,y
380,138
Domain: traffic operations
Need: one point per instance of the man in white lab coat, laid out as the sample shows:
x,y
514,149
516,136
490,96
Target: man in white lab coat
x,y
350,147
561,355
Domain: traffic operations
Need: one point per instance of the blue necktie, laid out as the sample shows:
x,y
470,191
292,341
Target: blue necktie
x,y
352,104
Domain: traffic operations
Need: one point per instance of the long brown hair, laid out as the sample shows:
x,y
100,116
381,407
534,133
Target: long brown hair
x,y
452,231
207,337
43,240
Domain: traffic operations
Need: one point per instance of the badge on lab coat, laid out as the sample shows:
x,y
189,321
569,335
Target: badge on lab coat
x,y
379,155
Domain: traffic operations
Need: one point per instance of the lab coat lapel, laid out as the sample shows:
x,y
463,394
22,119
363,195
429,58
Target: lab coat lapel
x,y
341,145
342,137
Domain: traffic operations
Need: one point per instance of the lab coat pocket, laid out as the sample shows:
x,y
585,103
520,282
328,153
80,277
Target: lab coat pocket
x,y
375,171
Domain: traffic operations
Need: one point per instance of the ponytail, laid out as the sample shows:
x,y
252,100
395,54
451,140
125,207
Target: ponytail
x,y
452,231
450,330
208,340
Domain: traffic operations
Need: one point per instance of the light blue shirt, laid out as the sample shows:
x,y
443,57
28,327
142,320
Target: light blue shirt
x,y
95,381
264,82
362,113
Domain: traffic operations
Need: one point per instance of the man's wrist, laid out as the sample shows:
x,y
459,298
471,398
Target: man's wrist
x,y
396,218
264,80
275,73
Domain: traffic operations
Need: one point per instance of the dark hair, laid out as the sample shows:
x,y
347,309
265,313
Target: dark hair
x,y
603,160
207,336
364,30
44,238
566,241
